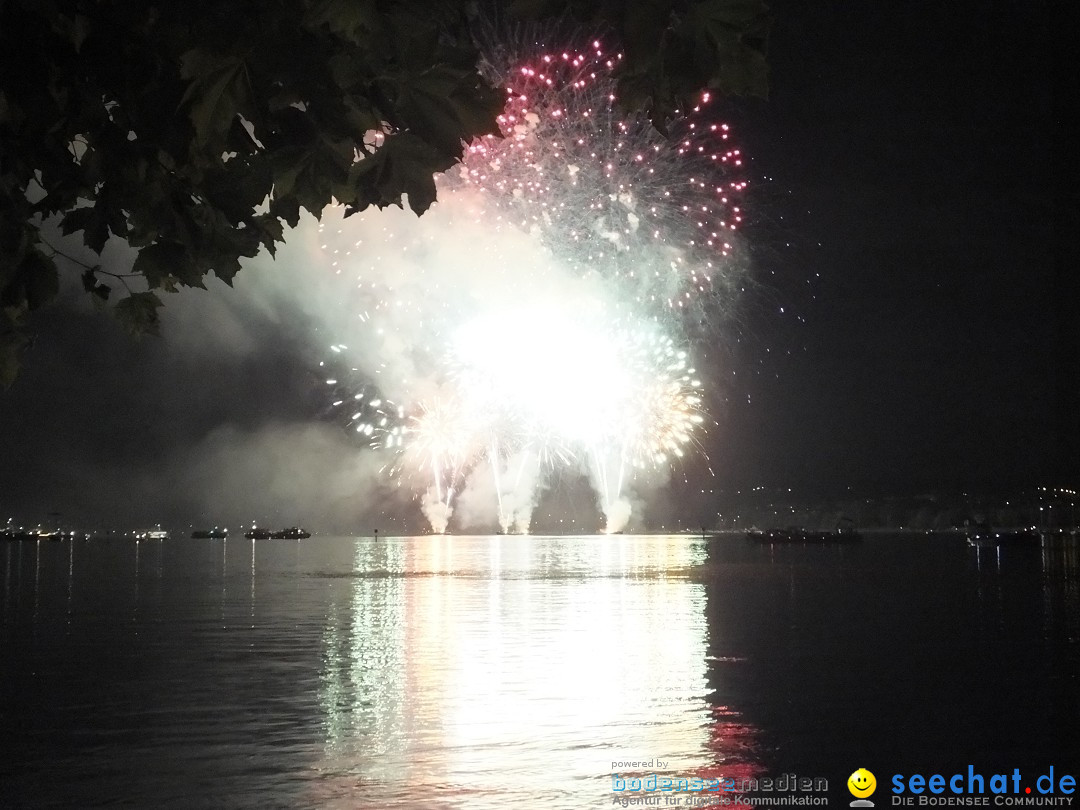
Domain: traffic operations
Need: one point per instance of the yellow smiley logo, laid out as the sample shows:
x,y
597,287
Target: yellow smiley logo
x,y
861,783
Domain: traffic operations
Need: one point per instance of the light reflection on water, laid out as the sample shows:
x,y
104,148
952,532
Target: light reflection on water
x,y
397,673
483,672
500,668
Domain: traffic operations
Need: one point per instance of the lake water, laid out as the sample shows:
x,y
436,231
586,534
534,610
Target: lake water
x,y
495,672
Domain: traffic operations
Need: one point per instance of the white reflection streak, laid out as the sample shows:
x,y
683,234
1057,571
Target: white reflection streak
x,y
253,586
363,689
615,664
7,578
224,579
519,675
71,580
37,579
135,606
7,584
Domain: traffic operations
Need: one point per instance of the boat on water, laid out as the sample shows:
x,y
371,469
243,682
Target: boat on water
x,y
215,533
156,533
769,535
258,534
294,533
846,531
27,536
34,535
982,534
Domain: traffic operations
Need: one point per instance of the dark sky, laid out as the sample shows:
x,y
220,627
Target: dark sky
x,y
912,150
913,324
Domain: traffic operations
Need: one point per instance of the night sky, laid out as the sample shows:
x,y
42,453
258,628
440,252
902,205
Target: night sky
x,y
913,151
912,324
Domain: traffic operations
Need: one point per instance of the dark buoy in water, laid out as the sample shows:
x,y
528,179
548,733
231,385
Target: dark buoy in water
x,y
376,534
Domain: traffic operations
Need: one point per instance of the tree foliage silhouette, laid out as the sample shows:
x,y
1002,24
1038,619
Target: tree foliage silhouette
x,y
197,131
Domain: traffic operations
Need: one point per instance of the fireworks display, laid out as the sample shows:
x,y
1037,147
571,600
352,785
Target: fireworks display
x,y
540,316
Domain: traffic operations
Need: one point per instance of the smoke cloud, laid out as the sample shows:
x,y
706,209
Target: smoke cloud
x,y
532,323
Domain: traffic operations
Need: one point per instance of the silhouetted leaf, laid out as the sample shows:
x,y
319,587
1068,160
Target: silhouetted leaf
x,y
730,37
270,231
404,165
163,261
93,286
29,283
353,20
307,175
445,108
138,313
219,90
91,221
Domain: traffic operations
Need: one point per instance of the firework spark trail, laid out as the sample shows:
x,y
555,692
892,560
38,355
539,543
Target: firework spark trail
x,y
532,319
605,188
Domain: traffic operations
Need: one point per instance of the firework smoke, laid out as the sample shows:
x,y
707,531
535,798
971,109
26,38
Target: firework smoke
x,y
540,315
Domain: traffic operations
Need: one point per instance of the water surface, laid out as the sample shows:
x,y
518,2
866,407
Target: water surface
x,y
483,672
